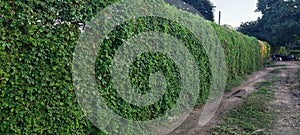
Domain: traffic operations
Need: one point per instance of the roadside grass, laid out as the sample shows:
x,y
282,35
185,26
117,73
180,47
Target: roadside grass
x,y
297,87
234,83
298,74
276,71
253,116
272,64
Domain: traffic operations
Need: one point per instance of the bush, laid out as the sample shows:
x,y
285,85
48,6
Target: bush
x,y
265,51
296,53
282,51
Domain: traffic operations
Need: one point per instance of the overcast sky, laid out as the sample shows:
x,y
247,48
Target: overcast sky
x,y
234,12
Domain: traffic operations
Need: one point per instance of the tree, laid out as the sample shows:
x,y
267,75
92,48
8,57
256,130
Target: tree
x,y
279,24
203,7
264,5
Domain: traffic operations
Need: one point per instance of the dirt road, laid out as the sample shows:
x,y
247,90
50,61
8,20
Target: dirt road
x,y
286,102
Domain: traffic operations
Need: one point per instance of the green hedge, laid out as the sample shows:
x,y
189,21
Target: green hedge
x,y
36,88
296,53
243,53
37,94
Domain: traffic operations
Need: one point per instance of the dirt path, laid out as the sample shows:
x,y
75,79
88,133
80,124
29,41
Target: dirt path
x,y
286,102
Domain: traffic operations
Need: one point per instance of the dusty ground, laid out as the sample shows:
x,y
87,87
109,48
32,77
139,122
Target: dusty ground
x,y
286,102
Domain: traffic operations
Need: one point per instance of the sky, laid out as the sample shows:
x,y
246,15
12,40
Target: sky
x,y
234,12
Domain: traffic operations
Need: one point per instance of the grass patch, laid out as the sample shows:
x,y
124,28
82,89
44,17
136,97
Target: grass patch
x,y
234,83
276,79
263,85
279,65
276,71
298,74
297,78
272,64
253,116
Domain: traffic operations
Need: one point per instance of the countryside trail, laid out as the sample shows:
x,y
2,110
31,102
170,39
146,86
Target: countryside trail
x,y
286,102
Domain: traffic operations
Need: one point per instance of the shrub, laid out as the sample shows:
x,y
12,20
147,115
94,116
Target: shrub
x,y
296,53
282,51
265,51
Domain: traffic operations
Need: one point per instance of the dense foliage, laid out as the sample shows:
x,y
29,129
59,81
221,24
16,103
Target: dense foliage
x,y
205,7
242,52
296,53
202,7
282,51
264,51
36,47
279,24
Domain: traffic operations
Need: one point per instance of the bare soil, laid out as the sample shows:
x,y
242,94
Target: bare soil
x,y
286,102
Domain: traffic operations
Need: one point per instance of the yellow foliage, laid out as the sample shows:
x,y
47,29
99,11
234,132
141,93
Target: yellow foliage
x,y
264,51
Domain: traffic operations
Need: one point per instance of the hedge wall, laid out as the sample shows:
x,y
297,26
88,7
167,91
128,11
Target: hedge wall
x,y
244,54
36,90
37,42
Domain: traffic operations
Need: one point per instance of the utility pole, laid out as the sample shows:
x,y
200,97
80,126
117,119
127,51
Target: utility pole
x,y
219,17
